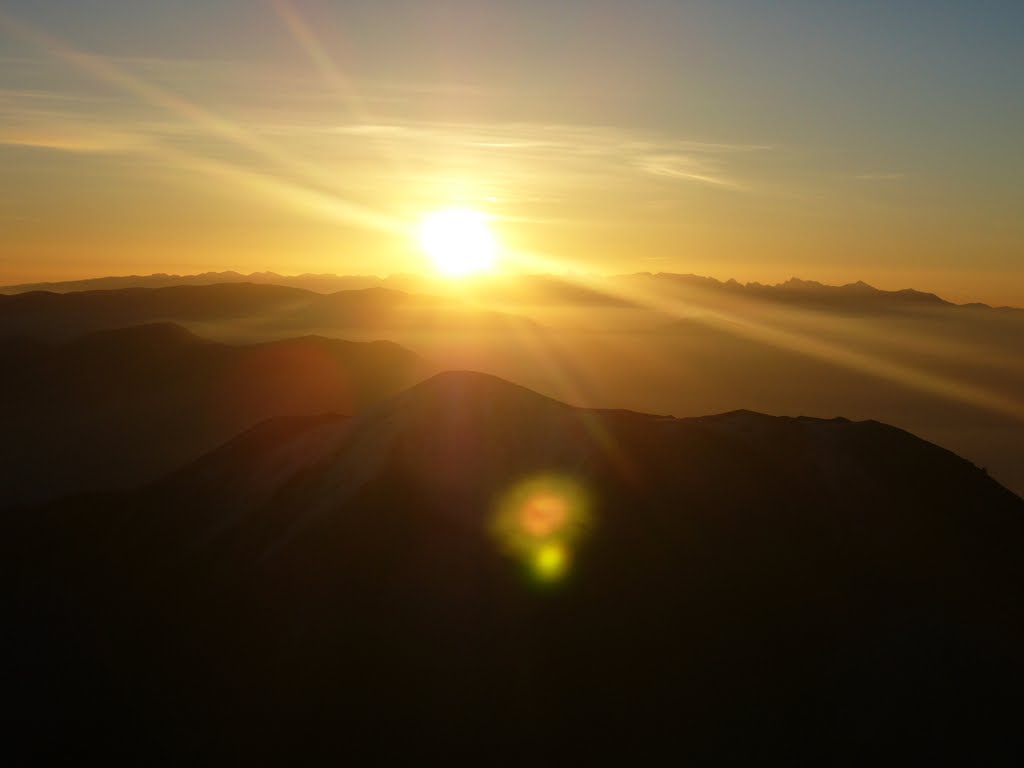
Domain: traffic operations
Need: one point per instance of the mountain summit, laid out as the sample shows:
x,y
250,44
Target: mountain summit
x,y
493,575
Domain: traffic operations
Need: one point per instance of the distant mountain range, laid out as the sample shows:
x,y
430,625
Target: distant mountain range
x,y
521,288
471,571
323,283
260,310
115,408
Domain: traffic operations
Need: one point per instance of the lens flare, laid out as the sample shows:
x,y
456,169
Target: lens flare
x,y
551,562
543,515
539,521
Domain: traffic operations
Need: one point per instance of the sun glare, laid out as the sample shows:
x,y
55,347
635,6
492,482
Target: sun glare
x,y
459,242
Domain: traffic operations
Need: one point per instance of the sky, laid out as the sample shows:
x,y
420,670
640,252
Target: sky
x,y
837,141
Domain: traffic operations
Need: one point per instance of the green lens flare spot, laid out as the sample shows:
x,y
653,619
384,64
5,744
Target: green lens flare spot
x,y
550,562
539,521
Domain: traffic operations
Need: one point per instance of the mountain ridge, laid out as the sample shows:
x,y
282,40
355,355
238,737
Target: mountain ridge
x,y
949,373
818,587
58,316
112,408
331,283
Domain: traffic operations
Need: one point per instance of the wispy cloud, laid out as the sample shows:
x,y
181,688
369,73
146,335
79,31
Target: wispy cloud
x,y
56,121
886,176
700,170
65,143
565,149
332,144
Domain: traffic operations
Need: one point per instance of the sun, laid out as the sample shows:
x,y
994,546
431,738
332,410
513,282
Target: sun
x,y
459,242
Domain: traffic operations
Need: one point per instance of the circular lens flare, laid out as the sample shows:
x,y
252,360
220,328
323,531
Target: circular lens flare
x,y
550,562
544,514
539,521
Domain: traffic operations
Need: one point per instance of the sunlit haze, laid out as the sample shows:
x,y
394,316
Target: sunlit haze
x,y
756,141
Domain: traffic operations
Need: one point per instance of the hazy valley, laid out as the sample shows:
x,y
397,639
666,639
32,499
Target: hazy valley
x,y
667,344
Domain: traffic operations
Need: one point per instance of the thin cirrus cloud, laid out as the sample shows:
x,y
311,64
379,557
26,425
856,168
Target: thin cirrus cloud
x,y
66,133
336,130
347,155
420,161
511,162
60,143
884,176
562,151
700,170
67,123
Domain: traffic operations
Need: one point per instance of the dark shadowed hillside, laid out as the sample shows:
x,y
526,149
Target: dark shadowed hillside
x,y
470,570
664,343
113,409
248,310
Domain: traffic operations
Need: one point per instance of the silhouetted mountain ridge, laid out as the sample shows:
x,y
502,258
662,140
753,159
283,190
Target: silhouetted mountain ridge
x,y
542,288
692,343
148,336
276,309
114,408
797,293
742,585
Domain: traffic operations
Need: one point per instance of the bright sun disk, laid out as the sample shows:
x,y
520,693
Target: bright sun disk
x,y
458,241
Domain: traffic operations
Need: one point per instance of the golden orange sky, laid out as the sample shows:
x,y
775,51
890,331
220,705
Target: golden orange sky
x,y
313,137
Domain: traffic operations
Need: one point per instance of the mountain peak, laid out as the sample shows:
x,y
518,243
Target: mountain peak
x,y
463,378
796,282
469,390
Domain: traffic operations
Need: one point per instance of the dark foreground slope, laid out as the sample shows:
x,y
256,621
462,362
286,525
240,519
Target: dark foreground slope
x,y
114,409
741,587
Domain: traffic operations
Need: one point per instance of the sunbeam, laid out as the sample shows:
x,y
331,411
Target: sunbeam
x,y
332,74
759,326
315,179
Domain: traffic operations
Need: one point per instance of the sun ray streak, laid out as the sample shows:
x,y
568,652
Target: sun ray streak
x,y
310,44
335,77
104,70
572,390
309,201
760,328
